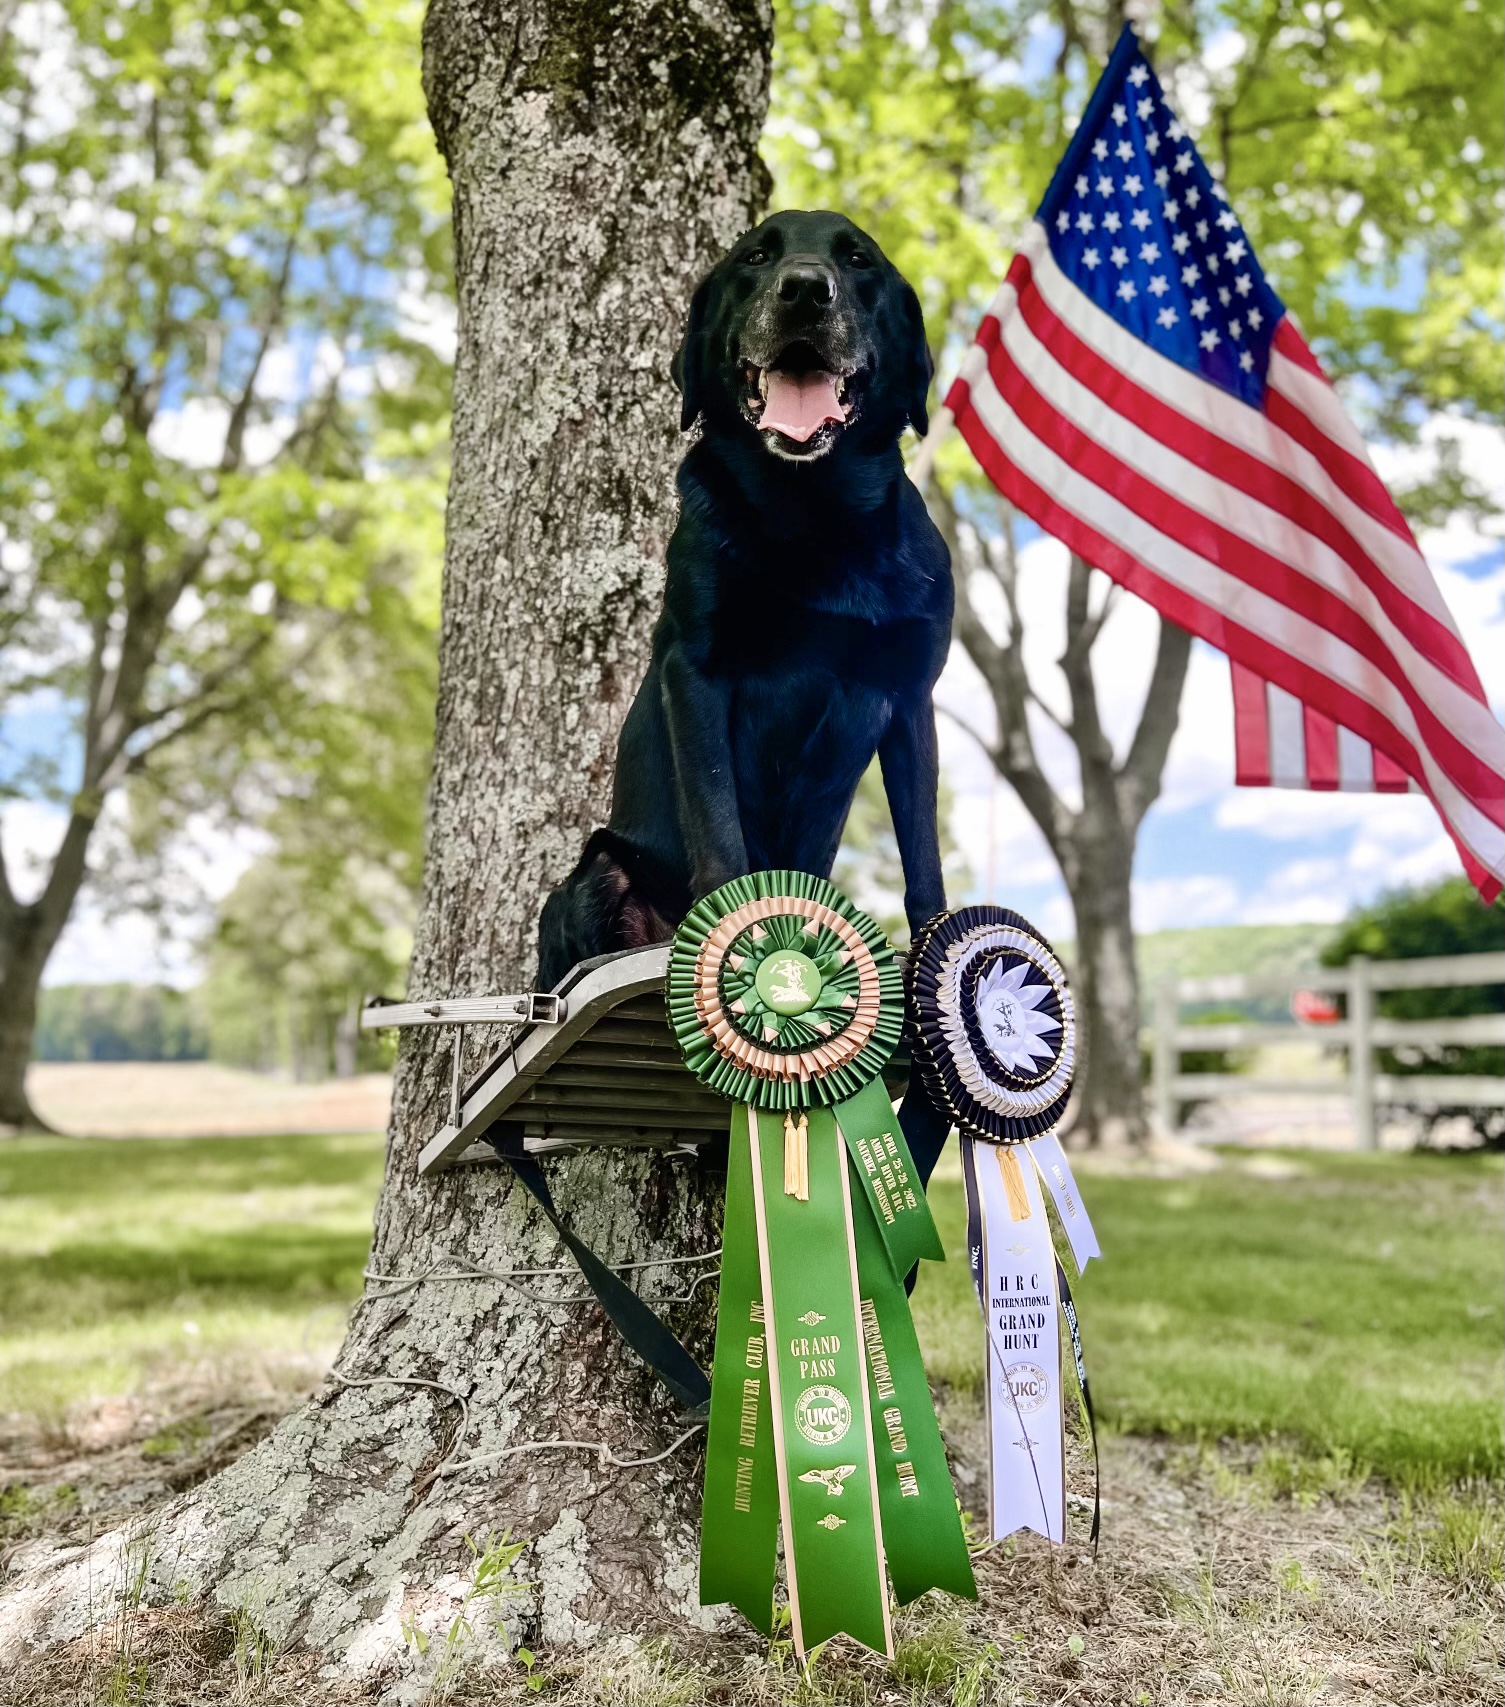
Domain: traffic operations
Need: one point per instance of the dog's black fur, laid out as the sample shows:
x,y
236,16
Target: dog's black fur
x,y
807,612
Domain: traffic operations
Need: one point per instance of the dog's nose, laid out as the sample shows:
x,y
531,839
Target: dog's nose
x,y
807,281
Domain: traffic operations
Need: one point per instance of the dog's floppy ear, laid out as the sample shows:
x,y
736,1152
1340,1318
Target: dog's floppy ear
x,y
920,367
687,370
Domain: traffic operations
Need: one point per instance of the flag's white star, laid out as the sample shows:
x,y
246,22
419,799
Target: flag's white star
x,y
1180,243
1256,319
1226,219
1105,185
1190,274
1209,339
1183,162
1236,328
1125,151
1193,196
1063,221
1149,252
1158,286
1145,107
1199,308
1175,130
1236,251
1201,230
1084,223
1225,296
1152,142
1090,258
1111,221
1120,113
1138,76
1140,219
1219,191
1162,177
1082,186
1133,183
1099,150
1172,208
1243,284
1167,317
1246,361
1119,257
1127,291
1211,262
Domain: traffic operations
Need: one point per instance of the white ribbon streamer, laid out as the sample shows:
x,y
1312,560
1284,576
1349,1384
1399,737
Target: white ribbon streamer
x,y
1026,1425
1055,1170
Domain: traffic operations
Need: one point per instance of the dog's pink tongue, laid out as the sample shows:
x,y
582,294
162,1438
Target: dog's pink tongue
x,y
799,403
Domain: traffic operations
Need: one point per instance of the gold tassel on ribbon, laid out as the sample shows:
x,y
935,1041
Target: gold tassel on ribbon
x,y
797,1158
1013,1182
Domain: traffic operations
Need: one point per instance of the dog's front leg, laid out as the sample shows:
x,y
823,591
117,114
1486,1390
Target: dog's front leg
x,y
697,708
911,770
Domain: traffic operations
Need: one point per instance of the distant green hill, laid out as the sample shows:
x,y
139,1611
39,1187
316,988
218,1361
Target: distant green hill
x,y
1215,949
1211,950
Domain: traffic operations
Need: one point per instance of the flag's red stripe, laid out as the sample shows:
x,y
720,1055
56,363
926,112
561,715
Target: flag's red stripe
x,y
1235,467
1321,749
1351,471
1309,685
1389,778
1291,343
1251,728
1250,563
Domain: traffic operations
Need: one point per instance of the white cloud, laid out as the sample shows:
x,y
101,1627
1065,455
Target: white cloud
x,y
1163,903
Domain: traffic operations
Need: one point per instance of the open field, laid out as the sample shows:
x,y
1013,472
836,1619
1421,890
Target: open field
x,y
1297,1359
192,1099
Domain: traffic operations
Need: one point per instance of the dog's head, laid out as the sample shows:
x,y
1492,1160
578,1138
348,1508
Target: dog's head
x,y
805,336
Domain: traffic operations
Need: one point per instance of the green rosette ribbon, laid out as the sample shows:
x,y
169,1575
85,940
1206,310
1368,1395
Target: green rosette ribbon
x,y
788,1001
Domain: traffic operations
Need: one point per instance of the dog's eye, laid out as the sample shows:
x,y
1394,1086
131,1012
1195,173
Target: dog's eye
x,y
755,258
859,258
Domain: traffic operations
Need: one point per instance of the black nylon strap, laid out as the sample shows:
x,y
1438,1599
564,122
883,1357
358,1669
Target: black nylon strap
x,y
638,1323
1068,1308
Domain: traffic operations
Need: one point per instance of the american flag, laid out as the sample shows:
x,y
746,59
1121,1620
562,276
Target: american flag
x,y
1139,391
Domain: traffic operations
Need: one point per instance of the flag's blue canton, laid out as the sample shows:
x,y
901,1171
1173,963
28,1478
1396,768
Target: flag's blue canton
x,y
1137,222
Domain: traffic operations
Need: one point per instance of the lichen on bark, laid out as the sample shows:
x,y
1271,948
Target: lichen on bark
x,y
602,156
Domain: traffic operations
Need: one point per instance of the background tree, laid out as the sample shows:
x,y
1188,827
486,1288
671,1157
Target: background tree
x,y
215,216
601,161
1362,144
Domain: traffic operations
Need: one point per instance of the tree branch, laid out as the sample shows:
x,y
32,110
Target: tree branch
x,y
1139,777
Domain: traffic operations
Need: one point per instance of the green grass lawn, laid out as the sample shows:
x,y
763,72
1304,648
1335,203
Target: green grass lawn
x,y
124,1261
1355,1308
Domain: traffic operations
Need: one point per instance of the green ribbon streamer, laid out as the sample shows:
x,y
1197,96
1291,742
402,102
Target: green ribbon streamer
x,y
740,1520
883,1166
922,1531
837,1578
823,1436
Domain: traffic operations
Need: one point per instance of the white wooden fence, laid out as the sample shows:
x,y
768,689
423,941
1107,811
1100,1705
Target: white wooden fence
x,y
1361,1031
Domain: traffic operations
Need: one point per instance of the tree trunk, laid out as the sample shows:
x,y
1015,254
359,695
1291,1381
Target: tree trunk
x,y
1093,843
1108,1109
20,983
29,932
601,159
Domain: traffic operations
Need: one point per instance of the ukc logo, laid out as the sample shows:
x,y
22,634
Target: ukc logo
x,y
822,1415
1030,1385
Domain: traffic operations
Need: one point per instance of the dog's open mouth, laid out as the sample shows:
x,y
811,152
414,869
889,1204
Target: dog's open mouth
x,y
799,399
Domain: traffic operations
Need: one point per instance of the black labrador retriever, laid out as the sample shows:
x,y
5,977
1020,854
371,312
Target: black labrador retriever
x,y
807,611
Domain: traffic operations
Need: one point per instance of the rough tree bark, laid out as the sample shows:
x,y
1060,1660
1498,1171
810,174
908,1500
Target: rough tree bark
x,y
602,156
1093,842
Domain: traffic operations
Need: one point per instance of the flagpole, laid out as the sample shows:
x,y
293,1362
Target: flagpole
x,y
923,460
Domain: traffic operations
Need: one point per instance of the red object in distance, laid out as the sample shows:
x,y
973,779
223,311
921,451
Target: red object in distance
x,y
1312,1007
